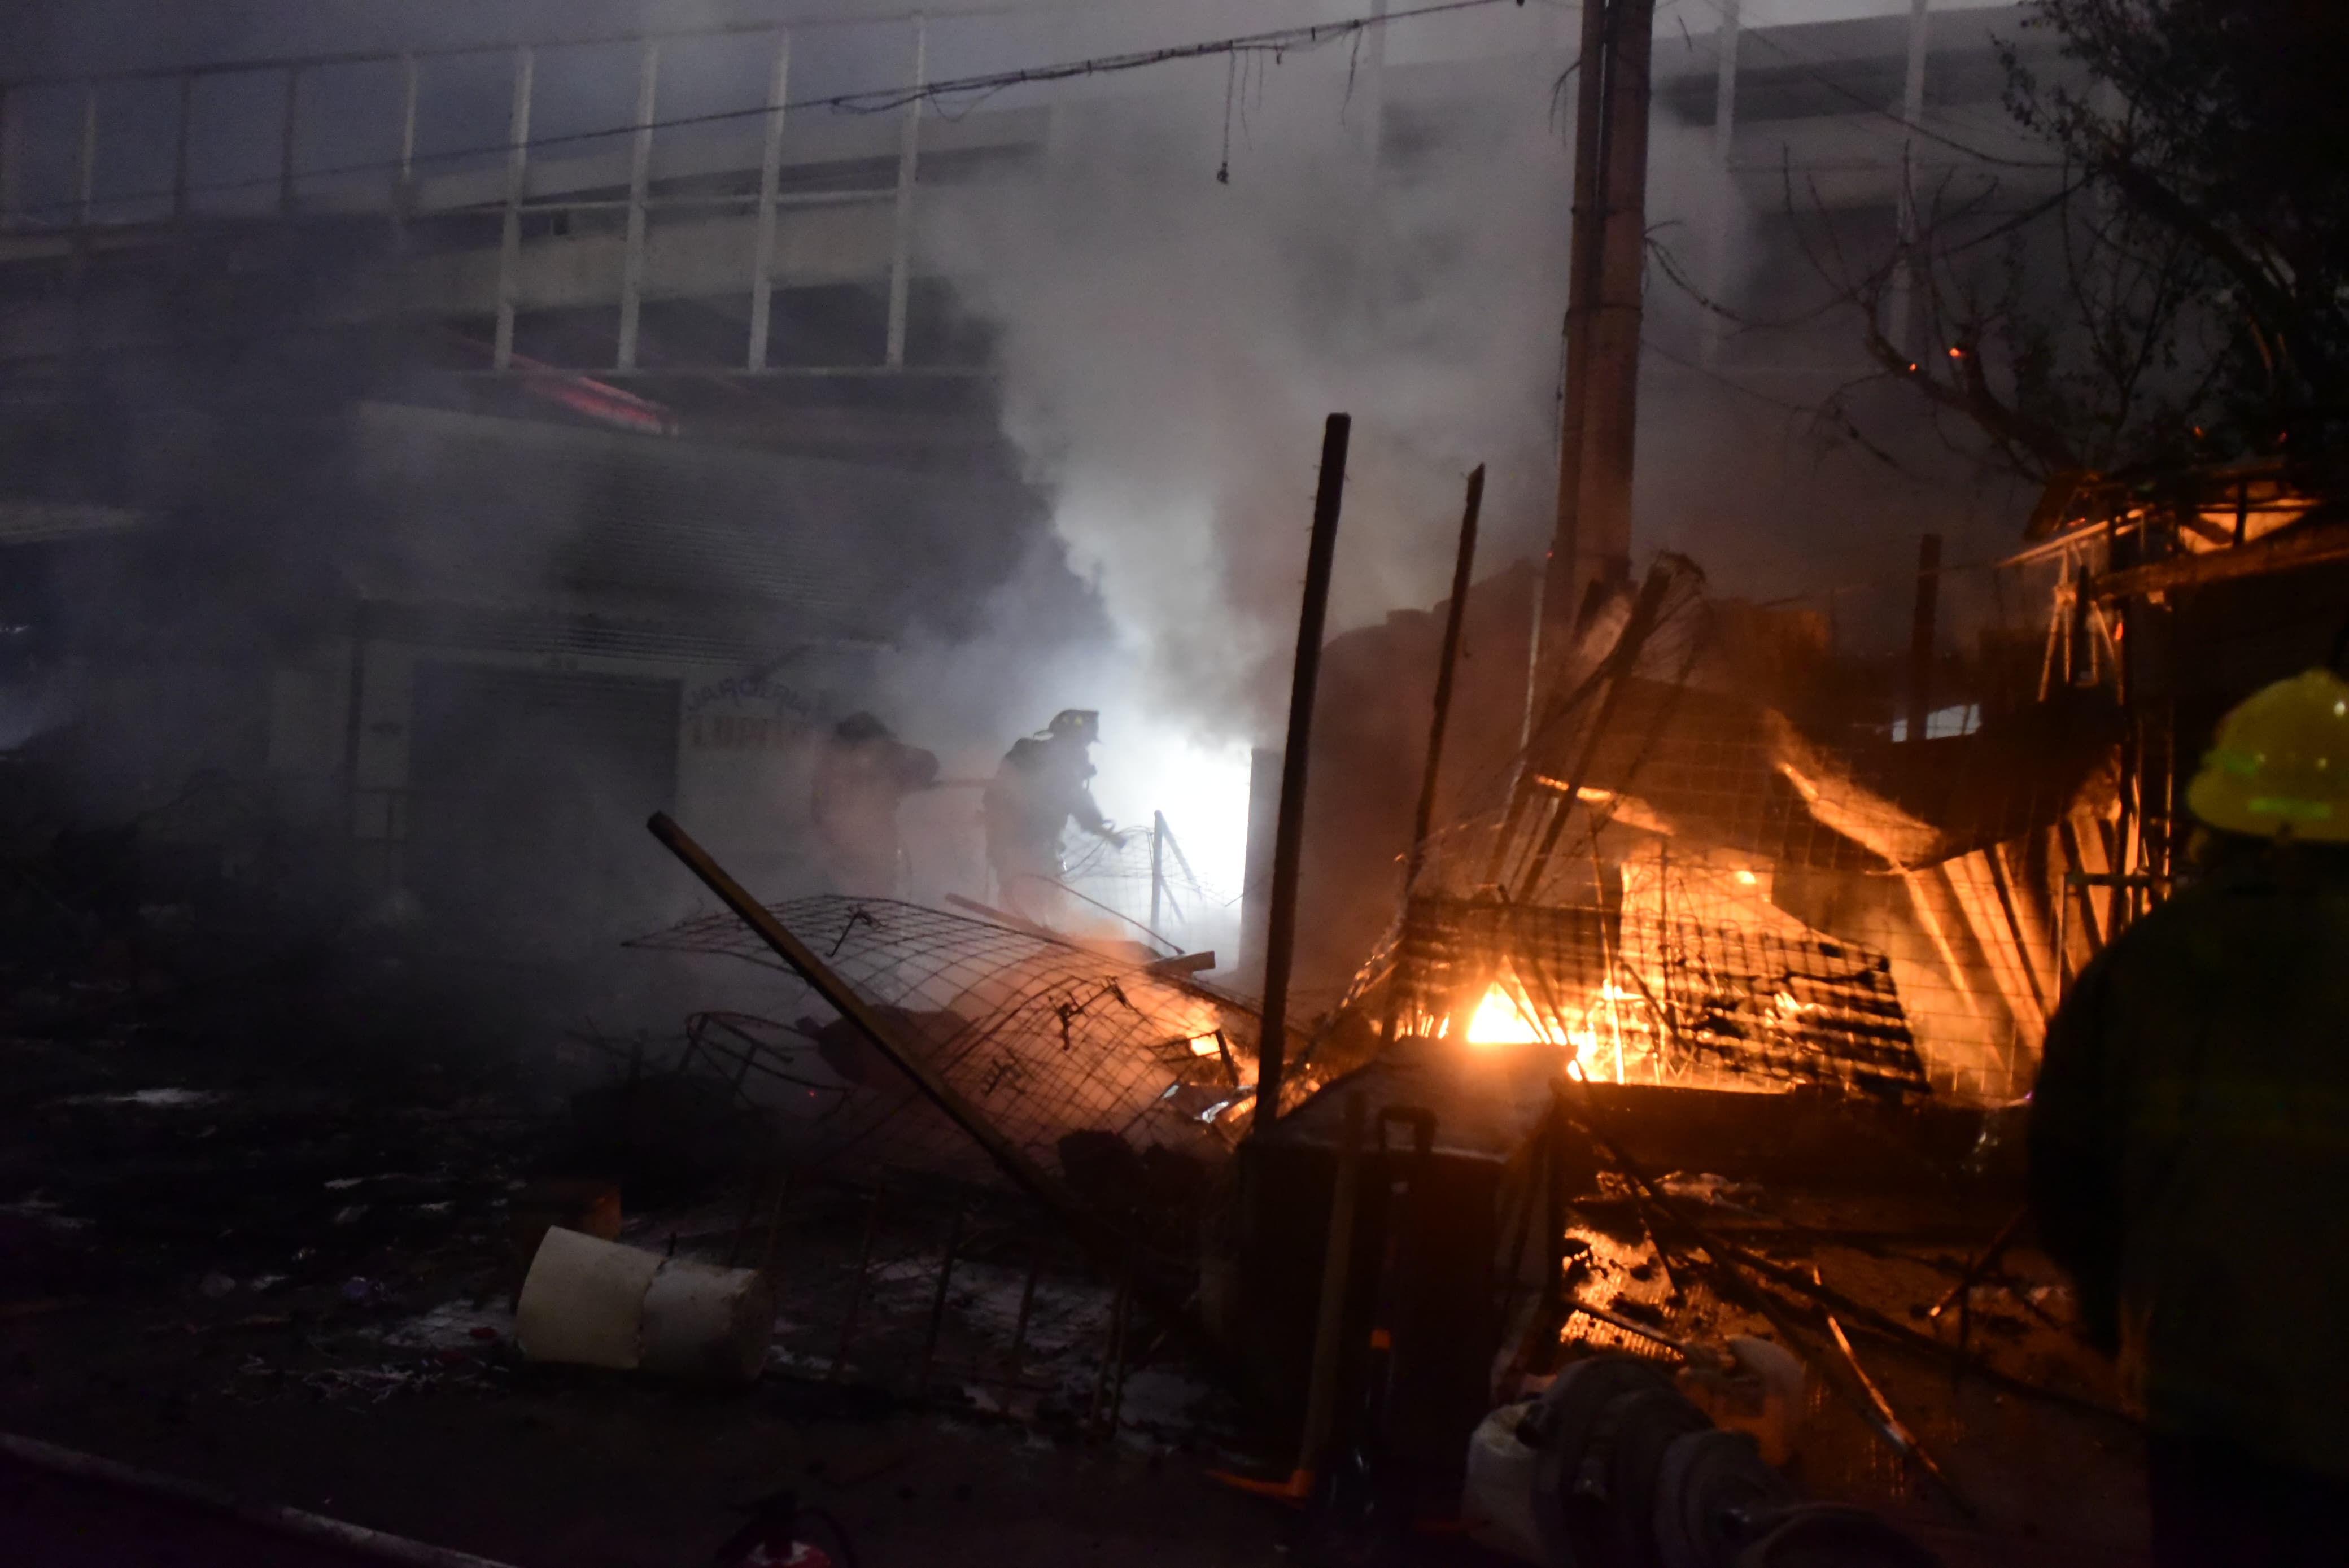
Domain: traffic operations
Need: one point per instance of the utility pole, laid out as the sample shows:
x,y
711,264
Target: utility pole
x,y
1598,422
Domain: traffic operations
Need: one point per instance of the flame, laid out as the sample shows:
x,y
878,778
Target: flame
x,y
1499,1021
1205,1044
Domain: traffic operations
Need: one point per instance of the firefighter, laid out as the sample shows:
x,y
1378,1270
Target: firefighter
x,y
1043,783
2190,1148
861,775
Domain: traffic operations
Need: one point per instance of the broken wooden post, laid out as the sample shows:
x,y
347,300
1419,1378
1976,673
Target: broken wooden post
x,y
1281,926
1461,568
1621,661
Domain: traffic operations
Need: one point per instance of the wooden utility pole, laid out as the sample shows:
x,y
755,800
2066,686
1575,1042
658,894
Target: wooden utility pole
x,y
1288,841
1562,594
1599,414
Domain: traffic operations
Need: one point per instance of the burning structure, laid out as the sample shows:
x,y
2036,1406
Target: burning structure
x,y
1679,874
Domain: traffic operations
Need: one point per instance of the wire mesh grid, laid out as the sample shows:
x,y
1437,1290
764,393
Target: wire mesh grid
x,y
1664,1001
1145,879
1079,1056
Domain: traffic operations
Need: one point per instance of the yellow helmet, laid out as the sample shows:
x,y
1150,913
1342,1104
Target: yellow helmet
x,y
2281,763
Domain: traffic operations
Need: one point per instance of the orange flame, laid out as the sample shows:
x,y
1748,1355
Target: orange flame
x,y
1499,1021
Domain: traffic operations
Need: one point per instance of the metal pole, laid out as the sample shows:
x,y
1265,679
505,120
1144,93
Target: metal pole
x,y
407,82
770,169
1725,140
1921,634
1158,864
510,244
1373,82
180,196
403,190
1288,841
337,1535
1906,278
290,134
1461,568
1724,84
938,1301
1026,1309
901,252
86,158
640,166
11,152
856,1285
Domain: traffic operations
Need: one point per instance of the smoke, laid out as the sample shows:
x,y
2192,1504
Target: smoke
x,y
1170,341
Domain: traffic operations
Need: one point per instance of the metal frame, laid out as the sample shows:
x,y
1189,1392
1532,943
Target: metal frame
x,y
640,164
517,174
901,252
770,170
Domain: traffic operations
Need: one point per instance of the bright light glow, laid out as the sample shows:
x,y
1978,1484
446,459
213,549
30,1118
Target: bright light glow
x,y
1499,1021
1201,785
1205,1046
1747,879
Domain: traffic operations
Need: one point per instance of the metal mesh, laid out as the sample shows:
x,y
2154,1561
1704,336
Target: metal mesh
x,y
1057,1044
1664,1001
1127,873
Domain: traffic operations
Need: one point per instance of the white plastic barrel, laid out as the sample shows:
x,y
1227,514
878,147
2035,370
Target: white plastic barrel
x,y
707,1325
598,1303
583,1301
1497,1499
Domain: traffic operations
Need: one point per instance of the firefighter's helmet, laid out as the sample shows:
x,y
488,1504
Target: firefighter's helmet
x,y
2279,766
1081,723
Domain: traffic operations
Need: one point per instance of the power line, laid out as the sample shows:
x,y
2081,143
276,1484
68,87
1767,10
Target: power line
x,y
968,92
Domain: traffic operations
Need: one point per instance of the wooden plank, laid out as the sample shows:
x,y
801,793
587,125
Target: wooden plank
x,y
2312,545
1008,1158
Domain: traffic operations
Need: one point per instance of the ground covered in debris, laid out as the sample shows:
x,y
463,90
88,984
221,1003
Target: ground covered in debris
x,y
286,1267
264,1235
2034,1461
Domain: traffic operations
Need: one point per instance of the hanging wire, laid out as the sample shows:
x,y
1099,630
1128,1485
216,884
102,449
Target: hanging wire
x,y
961,94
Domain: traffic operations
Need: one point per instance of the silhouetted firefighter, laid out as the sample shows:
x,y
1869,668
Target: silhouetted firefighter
x,y
2190,1148
1043,783
862,775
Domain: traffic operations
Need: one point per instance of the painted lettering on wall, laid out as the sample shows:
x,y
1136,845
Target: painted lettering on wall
x,y
747,712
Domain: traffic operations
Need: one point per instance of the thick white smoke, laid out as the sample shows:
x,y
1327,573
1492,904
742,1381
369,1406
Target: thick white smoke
x,y
1170,342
